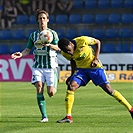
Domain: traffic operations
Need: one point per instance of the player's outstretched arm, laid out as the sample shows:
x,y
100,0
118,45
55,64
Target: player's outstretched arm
x,y
20,54
55,47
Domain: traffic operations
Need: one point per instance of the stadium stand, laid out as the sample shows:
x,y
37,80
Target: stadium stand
x,y
101,18
103,4
61,19
128,4
131,48
71,33
19,34
127,18
99,33
112,33
88,18
85,32
116,4
114,18
60,33
22,19
51,19
122,48
15,48
125,33
108,48
90,4
78,4
74,19
118,48
6,35
4,49
108,20
32,19
125,48
27,32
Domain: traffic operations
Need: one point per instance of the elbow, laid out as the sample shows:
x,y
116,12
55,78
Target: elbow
x,y
98,42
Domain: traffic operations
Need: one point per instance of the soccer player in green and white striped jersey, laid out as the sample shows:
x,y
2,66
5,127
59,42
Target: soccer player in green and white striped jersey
x,y
45,62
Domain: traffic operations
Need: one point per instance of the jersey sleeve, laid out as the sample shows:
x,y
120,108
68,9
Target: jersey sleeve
x,y
67,56
55,37
30,42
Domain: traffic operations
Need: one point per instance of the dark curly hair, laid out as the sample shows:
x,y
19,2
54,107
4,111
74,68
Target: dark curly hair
x,y
62,43
39,11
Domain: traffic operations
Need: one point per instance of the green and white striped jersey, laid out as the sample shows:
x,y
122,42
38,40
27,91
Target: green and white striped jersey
x,y
44,57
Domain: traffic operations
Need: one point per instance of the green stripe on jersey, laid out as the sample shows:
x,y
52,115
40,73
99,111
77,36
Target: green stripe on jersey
x,y
44,57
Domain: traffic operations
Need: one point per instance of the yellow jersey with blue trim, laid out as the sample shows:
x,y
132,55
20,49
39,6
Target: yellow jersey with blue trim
x,y
84,53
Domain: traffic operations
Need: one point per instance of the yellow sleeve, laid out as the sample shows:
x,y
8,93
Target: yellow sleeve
x,y
67,56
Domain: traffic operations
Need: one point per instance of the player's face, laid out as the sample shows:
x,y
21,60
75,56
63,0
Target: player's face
x,y
70,48
42,20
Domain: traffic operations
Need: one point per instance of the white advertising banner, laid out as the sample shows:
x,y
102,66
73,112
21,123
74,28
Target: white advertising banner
x,y
111,62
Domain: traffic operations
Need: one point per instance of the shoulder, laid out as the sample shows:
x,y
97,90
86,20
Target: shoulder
x,y
67,56
34,34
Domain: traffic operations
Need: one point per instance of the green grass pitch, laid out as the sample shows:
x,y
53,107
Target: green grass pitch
x,y
93,111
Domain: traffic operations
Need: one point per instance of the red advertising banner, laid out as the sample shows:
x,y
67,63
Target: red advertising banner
x,y
15,70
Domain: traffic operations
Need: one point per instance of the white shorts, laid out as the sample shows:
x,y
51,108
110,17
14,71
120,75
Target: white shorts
x,y
48,76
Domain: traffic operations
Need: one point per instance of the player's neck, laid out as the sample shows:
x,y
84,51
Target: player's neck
x,y
43,28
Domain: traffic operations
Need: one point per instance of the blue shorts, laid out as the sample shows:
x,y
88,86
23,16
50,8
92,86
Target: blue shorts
x,y
84,75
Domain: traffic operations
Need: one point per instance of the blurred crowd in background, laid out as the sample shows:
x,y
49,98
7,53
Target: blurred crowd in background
x,y
10,9
107,20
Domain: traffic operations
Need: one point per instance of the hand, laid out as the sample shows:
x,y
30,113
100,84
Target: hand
x,y
16,55
94,63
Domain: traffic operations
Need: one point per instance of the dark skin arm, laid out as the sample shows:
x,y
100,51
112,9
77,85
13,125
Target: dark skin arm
x,y
95,61
73,68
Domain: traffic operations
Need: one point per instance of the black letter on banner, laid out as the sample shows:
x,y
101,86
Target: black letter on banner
x,y
61,66
129,66
106,66
113,65
121,65
68,67
123,76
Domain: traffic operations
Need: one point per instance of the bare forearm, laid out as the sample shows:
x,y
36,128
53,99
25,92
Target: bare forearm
x,y
97,49
25,52
55,47
73,66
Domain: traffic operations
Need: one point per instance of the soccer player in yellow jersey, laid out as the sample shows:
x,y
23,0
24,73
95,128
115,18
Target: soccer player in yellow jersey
x,y
85,66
